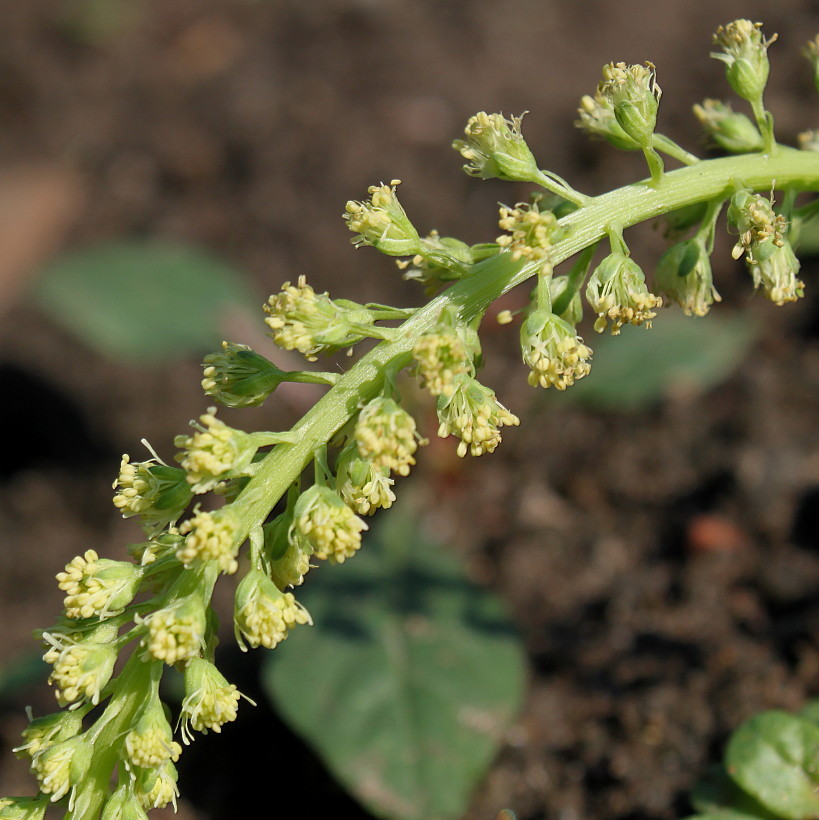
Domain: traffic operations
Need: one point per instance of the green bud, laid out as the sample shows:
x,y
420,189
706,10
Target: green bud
x,y
495,149
684,275
364,487
123,805
554,353
634,96
23,808
811,52
210,701
48,730
731,131
240,377
597,118
382,222
745,54
442,260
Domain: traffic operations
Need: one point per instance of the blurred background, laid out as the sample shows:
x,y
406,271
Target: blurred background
x,y
654,537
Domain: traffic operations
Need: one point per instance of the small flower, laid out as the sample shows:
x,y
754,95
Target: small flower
x,y
157,787
531,232
214,452
441,355
23,808
160,547
745,54
364,487
473,414
494,148
554,353
684,275
150,741
210,536
287,560
46,731
617,292
123,805
155,492
443,260
301,319
811,52
382,222
239,377
386,435
768,253
97,586
263,614
324,526
210,701
634,96
727,128
80,669
808,140
597,118
61,766
176,632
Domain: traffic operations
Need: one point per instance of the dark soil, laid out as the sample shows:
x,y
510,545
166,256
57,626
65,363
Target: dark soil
x,y
662,566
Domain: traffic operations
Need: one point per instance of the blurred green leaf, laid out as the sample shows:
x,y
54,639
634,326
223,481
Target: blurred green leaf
x,y
639,367
774,757
717,797
409,678
810,711
141,300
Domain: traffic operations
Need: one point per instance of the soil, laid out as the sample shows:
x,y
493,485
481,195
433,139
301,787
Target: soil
x,y
661,565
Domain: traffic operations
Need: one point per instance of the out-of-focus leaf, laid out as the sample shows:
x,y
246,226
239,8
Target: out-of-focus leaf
x,y
409,678
810,711
774,757
639,366
143,301
717,797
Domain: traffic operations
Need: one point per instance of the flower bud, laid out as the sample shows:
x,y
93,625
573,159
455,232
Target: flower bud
x,y
473,414
443,260
597,118
324,526
156,787
123,805
48,730
23,808
210,536
288,560
97,586
155,492
177,632
531,232
495,149
263,614
554,353
60,767
364,487
811,52
745,54
210,701
617,292
240,377
386,435
80,669
150,741
730,130
634,96
301,319
382,222
684,275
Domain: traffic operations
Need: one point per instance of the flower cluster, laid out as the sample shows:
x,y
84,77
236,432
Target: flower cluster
x,y
617,293
554,353
494,148
531,233
382,222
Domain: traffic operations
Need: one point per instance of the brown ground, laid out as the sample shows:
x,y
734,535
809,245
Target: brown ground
x,y
661,566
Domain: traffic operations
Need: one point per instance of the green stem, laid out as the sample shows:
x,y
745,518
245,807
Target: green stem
x,y
655,165
557,185
490,279
764,121
575,277
662,143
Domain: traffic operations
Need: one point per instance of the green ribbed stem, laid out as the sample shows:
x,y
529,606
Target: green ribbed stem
x,y
632,204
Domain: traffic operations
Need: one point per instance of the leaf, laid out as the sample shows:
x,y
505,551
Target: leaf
x,y
141,300
638,367
810,711
774,756
717,797
409,678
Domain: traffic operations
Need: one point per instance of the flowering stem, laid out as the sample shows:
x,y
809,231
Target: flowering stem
x,y
706,180
557,185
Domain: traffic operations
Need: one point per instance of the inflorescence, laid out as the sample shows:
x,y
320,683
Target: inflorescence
x,y
198,515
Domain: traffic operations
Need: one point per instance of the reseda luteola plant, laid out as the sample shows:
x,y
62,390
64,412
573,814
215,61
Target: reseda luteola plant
x,y
111,751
